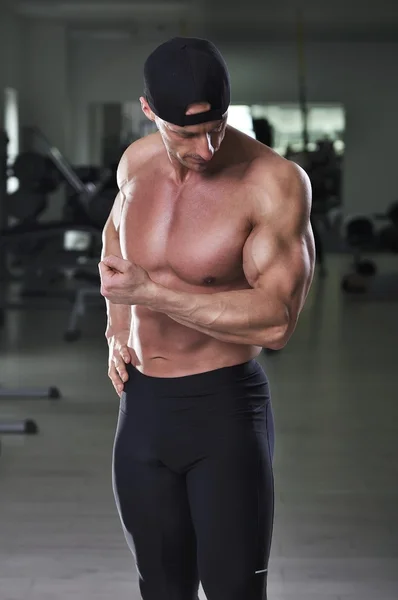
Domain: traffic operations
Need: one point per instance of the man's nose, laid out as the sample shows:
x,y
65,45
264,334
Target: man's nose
x,y
206,148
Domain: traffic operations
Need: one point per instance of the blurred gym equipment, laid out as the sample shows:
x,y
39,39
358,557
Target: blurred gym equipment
x,y
51,267
362,237
388,235
41,173
263,131
28,426
359,237
25,426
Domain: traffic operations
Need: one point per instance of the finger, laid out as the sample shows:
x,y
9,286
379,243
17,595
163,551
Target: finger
x,y
121,367
118,359
107,276
125,354
122,371
116,263
103,269
118,391
116,380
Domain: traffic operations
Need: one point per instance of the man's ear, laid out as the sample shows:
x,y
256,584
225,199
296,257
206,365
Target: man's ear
x,y
146,109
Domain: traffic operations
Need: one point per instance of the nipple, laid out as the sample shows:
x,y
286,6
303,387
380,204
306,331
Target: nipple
x,y
209,280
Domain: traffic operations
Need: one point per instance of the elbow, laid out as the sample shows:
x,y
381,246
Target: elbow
x,y
276,338
277,344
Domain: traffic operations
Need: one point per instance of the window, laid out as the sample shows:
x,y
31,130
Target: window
x,y
11,126
324,121
240,117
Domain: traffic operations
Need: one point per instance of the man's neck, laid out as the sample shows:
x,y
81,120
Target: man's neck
x,y
180,173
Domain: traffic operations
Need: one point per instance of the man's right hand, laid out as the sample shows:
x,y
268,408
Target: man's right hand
x,y
119,355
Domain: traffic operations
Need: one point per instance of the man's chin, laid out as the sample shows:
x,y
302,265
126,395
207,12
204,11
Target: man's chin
x,y
196,165
200,167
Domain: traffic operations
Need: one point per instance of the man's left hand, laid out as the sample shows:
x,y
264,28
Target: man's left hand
x,y
123,282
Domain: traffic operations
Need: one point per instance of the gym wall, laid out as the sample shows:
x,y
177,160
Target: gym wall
x,y
47,81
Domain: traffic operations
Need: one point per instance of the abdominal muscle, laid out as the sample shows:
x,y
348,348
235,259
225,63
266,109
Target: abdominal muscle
x,y
165,348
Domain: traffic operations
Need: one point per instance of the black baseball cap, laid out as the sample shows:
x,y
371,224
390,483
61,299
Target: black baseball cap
x,y
185,71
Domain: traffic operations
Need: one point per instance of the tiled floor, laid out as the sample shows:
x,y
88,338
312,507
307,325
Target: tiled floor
x,y
335,402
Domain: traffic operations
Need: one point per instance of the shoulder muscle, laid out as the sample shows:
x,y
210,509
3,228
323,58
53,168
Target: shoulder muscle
x,y
281,230
281,195
138,154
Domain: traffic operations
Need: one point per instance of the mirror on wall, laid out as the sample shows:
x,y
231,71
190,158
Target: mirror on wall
x,y
325,122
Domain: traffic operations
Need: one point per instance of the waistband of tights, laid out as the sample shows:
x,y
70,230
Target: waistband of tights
x,y
209,379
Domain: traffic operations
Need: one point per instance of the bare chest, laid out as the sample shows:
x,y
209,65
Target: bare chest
x,y
195,234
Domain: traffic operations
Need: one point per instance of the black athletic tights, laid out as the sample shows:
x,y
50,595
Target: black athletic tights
x,y
193,482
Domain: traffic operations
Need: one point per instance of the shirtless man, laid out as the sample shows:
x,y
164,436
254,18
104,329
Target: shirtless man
x,y
208,256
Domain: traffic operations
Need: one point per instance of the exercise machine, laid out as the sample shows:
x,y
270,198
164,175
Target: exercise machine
x,y
27,425
94,202
362,237
87,210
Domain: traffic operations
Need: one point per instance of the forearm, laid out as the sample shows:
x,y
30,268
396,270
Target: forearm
x,y
240,317
119,315
119,318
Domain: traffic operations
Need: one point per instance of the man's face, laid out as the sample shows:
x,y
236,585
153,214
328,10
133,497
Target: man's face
x,y
193,146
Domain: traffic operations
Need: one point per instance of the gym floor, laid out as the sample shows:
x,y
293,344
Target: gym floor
x,y
336,463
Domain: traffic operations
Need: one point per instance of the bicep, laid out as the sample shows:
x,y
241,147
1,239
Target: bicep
x,y
281,264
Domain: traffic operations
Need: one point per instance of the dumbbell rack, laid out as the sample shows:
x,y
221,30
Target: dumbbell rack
x,y
25,426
